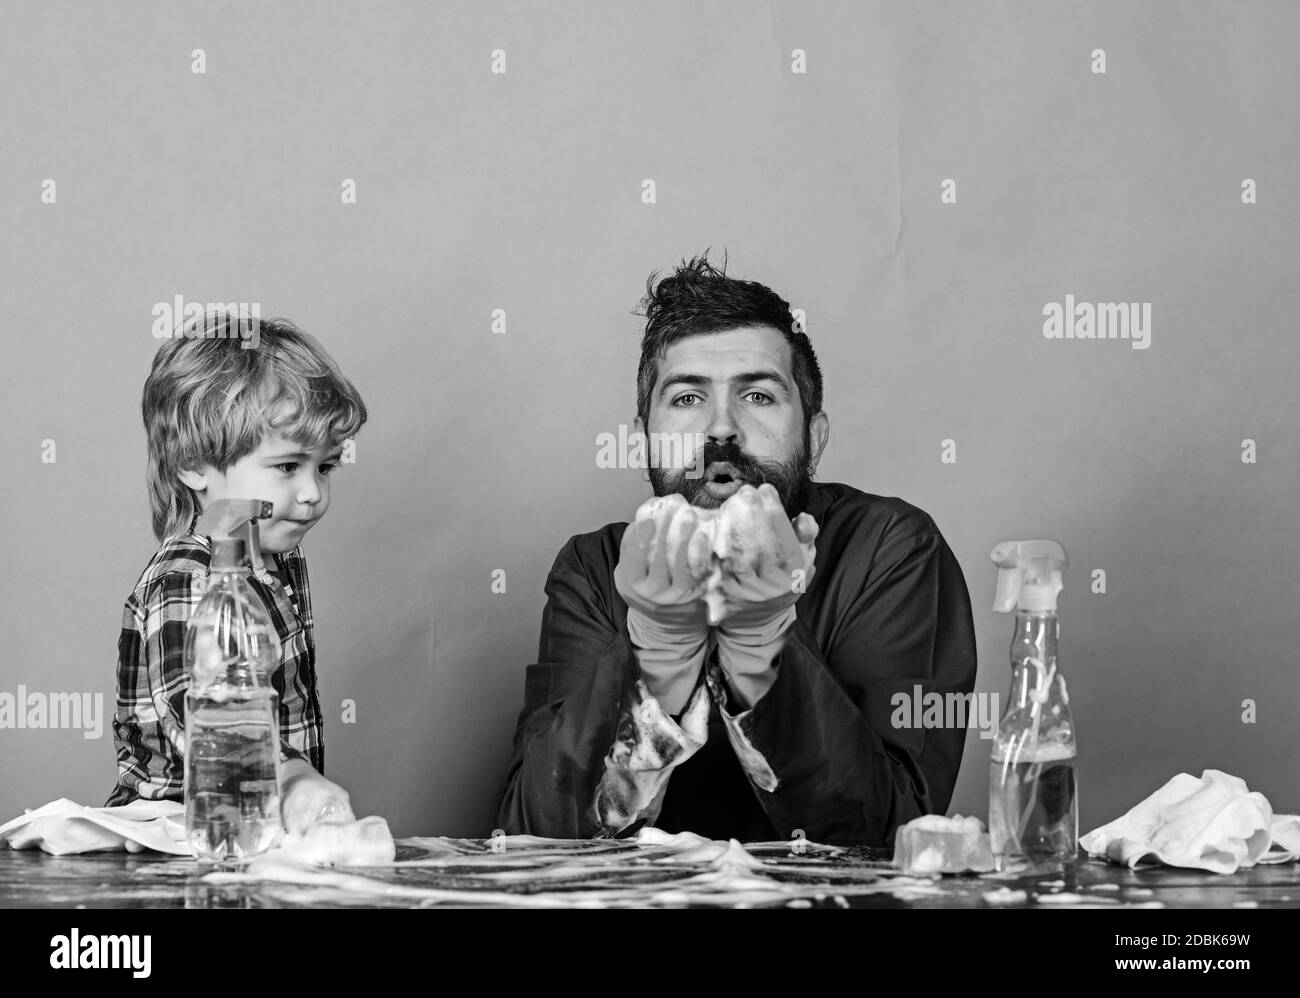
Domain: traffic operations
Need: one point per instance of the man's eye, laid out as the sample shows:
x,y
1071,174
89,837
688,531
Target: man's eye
x,y
328,469
680,400
289,467
763,397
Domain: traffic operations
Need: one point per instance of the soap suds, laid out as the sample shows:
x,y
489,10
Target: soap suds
x,y
657,869
1004,895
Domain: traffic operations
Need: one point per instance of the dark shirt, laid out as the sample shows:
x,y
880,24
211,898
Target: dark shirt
x,y
886,611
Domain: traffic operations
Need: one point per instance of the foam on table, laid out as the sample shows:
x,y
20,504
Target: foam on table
x,y
367,842
655,869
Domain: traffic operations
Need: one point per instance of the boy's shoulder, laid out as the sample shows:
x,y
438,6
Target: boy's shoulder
x,y
189,557
186,556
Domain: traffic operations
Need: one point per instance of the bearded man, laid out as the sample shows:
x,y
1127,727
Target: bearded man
x,y
728,663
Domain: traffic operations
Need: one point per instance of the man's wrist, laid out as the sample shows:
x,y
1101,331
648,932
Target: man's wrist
x,y
753,628
650,634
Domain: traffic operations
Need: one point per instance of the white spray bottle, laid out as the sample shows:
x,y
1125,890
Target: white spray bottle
x,y
1033,793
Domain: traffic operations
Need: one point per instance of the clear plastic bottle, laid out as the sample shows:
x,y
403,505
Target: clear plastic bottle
x,y
1033,788
232,731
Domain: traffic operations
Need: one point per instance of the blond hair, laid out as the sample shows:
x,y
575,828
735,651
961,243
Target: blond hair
x,y
209,400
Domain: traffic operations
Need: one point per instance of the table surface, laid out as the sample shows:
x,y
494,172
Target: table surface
x,y
31,878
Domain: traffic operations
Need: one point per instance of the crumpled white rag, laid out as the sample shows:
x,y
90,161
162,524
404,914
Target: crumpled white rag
x,y
63,827
1212,823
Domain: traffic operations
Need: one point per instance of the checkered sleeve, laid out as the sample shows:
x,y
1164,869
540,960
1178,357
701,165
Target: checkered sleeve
x,y
149,725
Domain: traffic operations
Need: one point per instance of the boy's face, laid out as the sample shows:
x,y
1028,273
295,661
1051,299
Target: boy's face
x,y
293,479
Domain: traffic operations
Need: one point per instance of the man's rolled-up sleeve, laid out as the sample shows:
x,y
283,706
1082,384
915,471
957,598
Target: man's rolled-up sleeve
x,y
819,746
593,750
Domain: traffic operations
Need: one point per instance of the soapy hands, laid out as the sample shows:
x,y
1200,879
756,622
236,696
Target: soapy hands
x,y
663,564
734,568
307,798
766,559
735,572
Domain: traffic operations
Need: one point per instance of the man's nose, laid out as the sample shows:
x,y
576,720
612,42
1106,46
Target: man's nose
x,y
722,425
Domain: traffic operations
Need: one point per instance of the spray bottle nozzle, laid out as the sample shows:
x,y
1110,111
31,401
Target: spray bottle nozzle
x,y
1029,574
236,519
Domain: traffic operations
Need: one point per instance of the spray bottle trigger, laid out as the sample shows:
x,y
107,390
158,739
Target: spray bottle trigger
x,y
1008,591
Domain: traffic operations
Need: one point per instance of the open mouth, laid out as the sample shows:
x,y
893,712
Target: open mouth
x,y
721,473
722,479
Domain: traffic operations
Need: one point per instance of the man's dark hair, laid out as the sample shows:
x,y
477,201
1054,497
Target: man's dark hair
x,y
700,298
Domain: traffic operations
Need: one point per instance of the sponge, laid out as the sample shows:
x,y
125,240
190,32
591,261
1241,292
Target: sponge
x,y
934,844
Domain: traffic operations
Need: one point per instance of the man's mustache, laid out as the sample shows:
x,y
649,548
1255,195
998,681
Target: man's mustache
x,y
730,453
791,478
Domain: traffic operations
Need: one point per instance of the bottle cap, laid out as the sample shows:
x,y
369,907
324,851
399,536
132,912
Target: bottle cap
x,y
1036,596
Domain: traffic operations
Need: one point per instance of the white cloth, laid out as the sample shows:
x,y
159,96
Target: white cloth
x,y
1212,823
63,827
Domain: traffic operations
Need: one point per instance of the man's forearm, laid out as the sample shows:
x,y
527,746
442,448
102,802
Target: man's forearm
x,y
572,718
649,745
598,763
670,660
748,652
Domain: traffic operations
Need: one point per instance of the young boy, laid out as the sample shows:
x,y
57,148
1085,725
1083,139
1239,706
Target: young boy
x,y
228,421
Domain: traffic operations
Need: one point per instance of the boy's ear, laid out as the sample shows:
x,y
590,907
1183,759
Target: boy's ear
x,y
195,480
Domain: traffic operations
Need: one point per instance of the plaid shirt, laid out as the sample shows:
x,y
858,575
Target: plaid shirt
x,y
149,726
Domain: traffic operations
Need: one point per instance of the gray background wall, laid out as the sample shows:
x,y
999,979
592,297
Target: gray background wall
x,y
522,192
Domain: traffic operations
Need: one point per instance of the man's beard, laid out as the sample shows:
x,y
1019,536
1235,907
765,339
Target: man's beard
x,y
791,479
